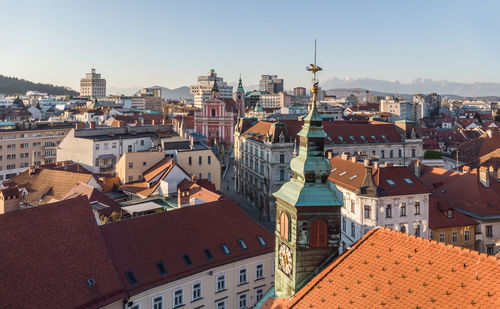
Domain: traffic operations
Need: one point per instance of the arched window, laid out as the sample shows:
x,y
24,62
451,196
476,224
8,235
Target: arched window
x,y
285,226
317,233
282,175
213,112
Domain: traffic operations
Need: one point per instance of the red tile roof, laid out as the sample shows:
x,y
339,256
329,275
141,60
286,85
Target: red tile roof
x,y
351,175
137,244
438,218
94,195
390,269
48,254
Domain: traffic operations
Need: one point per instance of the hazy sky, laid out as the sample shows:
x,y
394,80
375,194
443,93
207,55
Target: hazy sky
x,y
170,43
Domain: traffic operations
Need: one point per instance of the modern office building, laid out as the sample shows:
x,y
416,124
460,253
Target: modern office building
x,y
271,84
203,88
92,85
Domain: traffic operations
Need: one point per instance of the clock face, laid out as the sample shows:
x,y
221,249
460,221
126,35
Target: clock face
x,y
285,259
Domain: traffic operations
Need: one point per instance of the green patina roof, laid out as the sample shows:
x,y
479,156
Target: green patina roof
x,y
308,194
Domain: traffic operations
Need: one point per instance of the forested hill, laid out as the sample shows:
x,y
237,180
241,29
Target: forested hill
x,y
12,86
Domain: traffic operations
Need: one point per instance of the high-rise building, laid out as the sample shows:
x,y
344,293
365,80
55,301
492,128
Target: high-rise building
x,y
92,85
203,89
271,84
299,91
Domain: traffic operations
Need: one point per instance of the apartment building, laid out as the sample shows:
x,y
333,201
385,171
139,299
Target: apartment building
x,y
132,165
98,149
201,162
32,144
203,88
92,85
271,84
379,196
275,100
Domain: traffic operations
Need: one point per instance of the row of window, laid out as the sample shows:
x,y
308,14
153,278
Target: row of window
x,y
220,284
388,209
200,160
455,237
27,135
391,153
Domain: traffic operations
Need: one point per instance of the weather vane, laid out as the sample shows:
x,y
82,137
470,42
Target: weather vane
x,y
313,67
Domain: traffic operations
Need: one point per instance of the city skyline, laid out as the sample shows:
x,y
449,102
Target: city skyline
x,y
170,44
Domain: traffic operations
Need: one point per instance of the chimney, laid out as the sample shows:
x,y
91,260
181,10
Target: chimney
x,y
329,155
153,122
92,125
79,125
31,170
375,165
182,197
465,169
490,133
344,156
9,199
484,176
353,159
418,170
164,121
137,122
366,162
388,164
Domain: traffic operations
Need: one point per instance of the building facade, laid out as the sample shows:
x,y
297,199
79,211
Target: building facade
x,y
275,100
203,89
271,84
92,85
200,162
30,145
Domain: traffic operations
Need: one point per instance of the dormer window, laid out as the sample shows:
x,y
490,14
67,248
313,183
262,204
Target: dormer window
x,y
449,213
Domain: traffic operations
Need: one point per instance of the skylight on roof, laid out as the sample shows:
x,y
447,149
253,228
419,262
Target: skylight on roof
x,y
208,254
131,277
225,249
391,182
242,244
333,170
261,241
408,180
161,268
342,174
187,259
352,177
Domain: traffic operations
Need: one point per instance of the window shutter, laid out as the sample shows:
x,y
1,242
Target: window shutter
x,y
284,226
317,233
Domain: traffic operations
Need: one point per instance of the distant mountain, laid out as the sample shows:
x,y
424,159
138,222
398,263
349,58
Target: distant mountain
x,y
173,94
13,86
420,85
111,90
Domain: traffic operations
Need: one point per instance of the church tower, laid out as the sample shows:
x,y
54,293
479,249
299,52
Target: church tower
x,y
240,99
307,233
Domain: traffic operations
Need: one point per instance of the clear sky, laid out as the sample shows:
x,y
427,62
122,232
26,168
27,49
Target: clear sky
x,y
170,43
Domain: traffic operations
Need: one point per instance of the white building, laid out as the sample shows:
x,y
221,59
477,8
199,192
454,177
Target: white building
x,y
92,85
379,196
275,100
203,89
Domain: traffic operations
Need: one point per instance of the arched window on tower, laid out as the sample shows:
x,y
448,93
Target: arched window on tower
x,y
213,112
285,226
317,233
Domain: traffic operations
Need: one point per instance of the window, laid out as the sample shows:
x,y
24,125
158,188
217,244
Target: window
x,y
417,230
285,226
402,210
242,244
413,153
261,241
221,283
178,298
129,148
490,250
282,158
400,153
225,249
190,161
391,182
417,208
282,175
368,211
242,301
208,254
196,291
391,153
388,211
454,237
403,228
221,304
259,271
113,145
259,293
382,154
242,276
344,227
441,237
142,142
158,302
187,260
130,164
408,180
161,268
317,233
143,163
106,146
96,146
467,236
489,231
130,178
199,160
131,277
209,158
353,231
353,206
213,112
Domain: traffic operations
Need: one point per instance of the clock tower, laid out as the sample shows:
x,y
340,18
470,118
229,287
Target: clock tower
x,y
307,209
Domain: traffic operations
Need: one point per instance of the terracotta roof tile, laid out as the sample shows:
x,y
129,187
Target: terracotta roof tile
x,y
94,195
389,269
438,218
